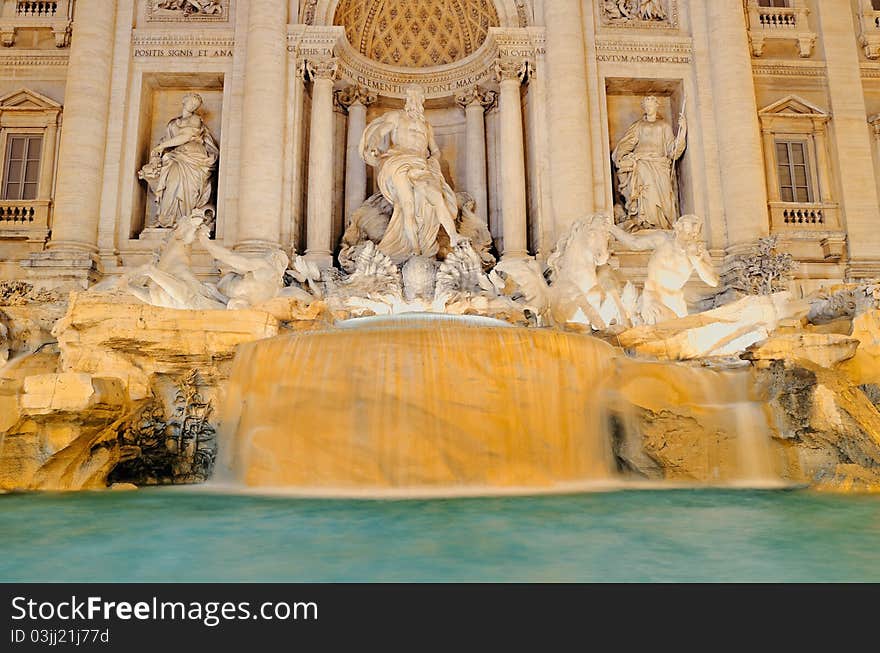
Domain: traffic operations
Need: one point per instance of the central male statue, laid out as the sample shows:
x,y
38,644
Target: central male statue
x,y
401,146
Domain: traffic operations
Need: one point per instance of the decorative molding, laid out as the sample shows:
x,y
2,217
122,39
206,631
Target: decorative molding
x,y
308,43
476,95
37,59
170,11
788,68
349,95
416,33
213,38
631,49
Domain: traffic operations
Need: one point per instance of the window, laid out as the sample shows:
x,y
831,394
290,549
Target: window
x,y
875,5
21,177
794,172
777,3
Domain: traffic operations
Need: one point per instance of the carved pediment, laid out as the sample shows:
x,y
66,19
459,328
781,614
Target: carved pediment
x,y
27,100
793,106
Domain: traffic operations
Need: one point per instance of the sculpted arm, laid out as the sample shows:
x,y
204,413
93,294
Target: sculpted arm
x,y
627,144
182,138
433,147
238,262
373,136
642,242
702,263
680,142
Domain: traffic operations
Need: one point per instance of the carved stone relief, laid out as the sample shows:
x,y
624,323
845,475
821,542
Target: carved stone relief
x,y
200,10
640,14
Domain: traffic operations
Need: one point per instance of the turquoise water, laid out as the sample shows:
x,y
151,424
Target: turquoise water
x,y
680,535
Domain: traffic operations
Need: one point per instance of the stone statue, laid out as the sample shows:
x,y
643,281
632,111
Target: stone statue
x,y
645,160
676,255
190,7
575,293
472,228
370,223
249,280
169,282
181,166
401,146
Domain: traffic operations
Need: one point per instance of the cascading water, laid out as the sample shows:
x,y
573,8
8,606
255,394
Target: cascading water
x,y
450,405
417,403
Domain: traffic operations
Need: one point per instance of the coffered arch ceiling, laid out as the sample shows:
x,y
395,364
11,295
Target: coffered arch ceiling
x,y
416,33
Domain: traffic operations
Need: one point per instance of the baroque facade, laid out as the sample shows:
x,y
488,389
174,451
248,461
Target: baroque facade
x,y
116,116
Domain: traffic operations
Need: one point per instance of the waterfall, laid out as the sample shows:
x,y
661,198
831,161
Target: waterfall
x,y
453,405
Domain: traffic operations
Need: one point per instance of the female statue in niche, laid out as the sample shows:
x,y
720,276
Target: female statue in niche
x,y
645,160
181,166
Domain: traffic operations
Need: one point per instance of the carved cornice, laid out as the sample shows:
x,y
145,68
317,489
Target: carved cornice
x,y
618,49
213,38
788,68
43,58
306,43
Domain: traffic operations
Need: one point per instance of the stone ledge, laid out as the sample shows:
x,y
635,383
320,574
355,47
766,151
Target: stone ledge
x,y
111,335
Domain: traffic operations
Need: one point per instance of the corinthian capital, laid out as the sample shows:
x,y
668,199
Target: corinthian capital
x,y
321,69
512,69
352,94
477,96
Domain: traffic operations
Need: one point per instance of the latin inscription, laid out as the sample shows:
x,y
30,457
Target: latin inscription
x,y
643,58
187,53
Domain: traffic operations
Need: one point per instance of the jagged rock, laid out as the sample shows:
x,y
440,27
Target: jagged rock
x,y
850,479
865,365
66,436
46,394
827,350
827,419
725,331
134,341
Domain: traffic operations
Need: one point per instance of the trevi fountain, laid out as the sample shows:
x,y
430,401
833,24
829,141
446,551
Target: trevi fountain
x,y
421,263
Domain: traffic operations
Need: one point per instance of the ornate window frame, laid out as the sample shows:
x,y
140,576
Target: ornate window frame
x,y
795,119
28,112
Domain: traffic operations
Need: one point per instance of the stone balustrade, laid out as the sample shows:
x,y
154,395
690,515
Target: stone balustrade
x,y
38,8
55,15
780,24
869,29
24,219
788,215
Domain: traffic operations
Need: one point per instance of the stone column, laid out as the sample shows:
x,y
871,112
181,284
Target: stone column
x,y
571,166
823,168
50,140
355,100
319,220
770,171
262,131
859,198
744,188
475,102
84,133
511,75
